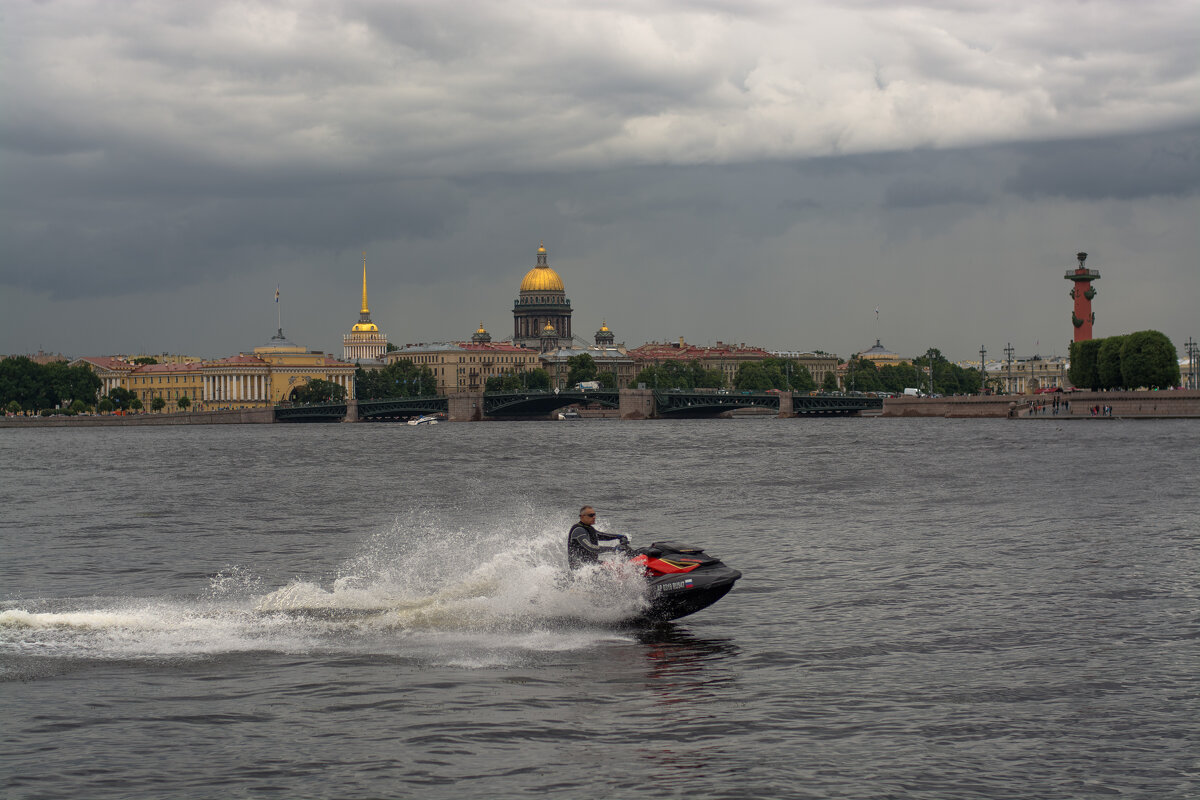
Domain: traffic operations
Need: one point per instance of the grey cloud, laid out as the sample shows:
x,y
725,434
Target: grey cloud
x,y
1164,163
734,166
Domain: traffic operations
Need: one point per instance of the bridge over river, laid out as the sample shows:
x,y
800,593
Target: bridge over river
x,y
632,403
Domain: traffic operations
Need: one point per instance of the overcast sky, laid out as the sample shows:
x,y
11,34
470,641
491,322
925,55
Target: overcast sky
x,y
758,171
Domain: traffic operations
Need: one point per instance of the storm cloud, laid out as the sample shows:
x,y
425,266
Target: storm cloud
x,y
765,172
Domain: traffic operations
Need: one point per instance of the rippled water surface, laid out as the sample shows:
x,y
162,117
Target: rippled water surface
x,y
929,609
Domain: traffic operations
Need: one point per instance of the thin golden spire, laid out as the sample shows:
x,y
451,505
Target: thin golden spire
x,y
365,309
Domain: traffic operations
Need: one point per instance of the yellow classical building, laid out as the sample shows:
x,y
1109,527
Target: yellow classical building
x,y
267,376
169,381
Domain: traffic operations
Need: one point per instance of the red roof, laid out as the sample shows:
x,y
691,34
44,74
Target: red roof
x,y
108,362
495,347
238,359
190,366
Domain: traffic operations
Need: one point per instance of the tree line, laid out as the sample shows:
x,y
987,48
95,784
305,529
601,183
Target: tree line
x,y
864,376
26,385
1132,361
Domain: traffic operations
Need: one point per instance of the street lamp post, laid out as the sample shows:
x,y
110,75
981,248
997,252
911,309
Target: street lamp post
x,y
982,368
1008,352
929,358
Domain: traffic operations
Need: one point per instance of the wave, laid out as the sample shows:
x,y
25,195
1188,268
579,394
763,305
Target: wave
x,y
417,585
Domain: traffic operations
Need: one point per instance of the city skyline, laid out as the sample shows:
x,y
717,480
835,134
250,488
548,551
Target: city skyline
x,y
768,174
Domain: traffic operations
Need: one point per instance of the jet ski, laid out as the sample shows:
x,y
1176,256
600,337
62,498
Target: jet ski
x,y
682,579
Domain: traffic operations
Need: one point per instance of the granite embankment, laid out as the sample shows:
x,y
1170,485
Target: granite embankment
x,y
230,417
1179,403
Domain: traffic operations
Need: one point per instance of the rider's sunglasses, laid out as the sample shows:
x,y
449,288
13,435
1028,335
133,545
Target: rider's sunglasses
x,y
590,515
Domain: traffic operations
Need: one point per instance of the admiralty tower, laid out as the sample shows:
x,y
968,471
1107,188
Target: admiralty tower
x,y
541,304
364,341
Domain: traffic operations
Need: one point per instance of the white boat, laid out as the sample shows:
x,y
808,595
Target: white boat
x,y
424,419
570,413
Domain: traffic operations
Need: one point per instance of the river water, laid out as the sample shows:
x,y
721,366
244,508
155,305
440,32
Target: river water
x,y
929,609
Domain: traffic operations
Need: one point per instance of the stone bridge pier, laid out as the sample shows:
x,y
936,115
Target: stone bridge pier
x,y
785,404
465,407
637,404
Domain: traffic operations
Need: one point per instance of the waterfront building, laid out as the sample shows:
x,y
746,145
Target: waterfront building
x,y
268,375
1026,375
608,355
1082,317
880,356
291,366
111,370
541,310
40,357
466,366
164,358
818,364
721,356
170,381
364,341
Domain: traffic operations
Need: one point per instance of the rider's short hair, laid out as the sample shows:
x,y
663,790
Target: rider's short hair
x,y
585,508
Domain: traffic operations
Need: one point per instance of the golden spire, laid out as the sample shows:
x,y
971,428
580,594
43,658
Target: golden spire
x,y
365,310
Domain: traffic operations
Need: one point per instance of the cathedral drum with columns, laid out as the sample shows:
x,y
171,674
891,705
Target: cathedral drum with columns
x,y
541,310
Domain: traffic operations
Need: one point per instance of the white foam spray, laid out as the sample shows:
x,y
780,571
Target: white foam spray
x,y
462,596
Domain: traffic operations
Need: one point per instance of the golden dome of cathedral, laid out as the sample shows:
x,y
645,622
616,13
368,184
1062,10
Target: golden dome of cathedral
x,y
365,327
541,278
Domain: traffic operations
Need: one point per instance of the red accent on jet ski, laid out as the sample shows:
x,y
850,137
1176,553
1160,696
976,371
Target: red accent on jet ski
x,y
662,566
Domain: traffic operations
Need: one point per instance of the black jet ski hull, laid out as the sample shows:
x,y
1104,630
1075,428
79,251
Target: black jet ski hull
x,y
675,596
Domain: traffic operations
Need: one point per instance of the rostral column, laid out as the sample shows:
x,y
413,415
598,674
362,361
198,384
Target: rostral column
x,y
1083,316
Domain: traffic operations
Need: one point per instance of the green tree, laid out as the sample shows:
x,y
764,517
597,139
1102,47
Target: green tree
x,y
829,384
319,390
537,380
580,368
895,378
122,398
105,406
1085,359
1148,358
184,403
35,386
701,377
144,360
401,378
508,382
13,407
136,404
947,378
752,376
1108,362
862,375
608,380
158,404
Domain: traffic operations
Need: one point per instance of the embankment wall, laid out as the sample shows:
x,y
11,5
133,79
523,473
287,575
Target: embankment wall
x,y
1169,404
242,416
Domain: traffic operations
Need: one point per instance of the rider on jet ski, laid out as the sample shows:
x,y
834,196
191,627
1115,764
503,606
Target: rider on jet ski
x,y
583,542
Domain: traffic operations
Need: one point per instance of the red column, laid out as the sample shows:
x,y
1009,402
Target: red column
x,y
1082,316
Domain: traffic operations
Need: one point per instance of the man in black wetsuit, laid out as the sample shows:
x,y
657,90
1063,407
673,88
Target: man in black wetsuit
x,y
583,542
